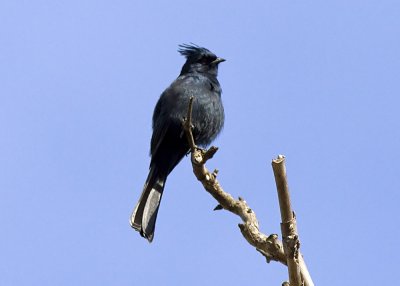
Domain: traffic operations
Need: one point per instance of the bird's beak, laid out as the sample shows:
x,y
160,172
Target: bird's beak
x,y
217,61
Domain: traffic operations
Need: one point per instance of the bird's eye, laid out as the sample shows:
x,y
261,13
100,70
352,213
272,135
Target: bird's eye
x,y
205,60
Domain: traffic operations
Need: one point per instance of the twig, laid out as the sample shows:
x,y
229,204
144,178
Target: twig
x,y
298,272
187,125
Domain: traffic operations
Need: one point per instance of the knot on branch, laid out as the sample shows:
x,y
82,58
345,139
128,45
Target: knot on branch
x,y
201,156
290,238
272,249
292,246
289,227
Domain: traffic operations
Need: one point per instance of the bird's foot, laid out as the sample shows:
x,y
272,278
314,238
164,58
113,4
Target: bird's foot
x,y
197,149
202,150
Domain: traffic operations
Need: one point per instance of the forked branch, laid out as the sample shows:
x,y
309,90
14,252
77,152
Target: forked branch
x,y
268,245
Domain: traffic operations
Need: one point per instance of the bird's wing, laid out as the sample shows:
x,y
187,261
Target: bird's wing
x,y
168,114
160,126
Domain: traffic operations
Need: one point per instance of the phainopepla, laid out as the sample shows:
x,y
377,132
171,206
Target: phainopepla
x,y
198,78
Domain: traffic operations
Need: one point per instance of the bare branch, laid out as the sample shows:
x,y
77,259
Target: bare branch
x,y
269,246
187,125
298,272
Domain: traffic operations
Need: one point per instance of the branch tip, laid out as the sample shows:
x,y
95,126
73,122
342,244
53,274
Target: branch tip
x,y
279,159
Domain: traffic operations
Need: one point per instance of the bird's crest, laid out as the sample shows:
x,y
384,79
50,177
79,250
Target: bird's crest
x,y
191,51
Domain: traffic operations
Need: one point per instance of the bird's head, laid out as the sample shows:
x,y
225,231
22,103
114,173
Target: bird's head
x,y
199,59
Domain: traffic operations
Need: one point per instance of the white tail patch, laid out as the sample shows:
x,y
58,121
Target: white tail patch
x,y
152,204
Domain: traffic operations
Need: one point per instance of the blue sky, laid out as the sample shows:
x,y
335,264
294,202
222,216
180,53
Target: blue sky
x,y
317,81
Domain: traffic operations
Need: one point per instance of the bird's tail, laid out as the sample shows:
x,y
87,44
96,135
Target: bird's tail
x,y
144,215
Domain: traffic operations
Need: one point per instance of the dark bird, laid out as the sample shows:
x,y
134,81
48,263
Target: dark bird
x,y
198,78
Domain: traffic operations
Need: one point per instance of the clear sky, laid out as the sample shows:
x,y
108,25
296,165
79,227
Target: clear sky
x,y
318,81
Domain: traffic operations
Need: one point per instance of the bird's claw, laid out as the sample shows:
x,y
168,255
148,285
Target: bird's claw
x,y
202,151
